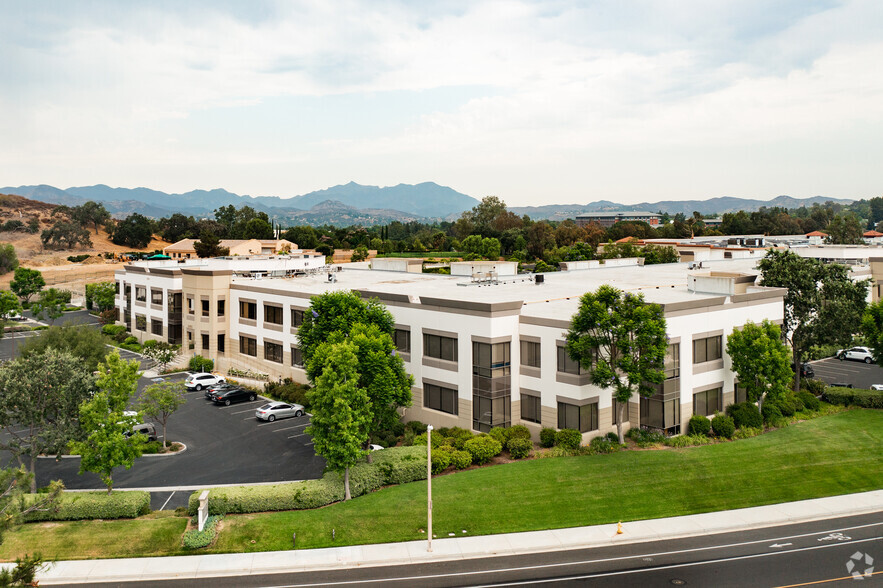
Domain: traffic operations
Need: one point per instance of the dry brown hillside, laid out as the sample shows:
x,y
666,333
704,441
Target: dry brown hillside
x,y
57,270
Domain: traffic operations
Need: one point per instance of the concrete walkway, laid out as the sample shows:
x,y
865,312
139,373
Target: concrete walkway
x,y
202,566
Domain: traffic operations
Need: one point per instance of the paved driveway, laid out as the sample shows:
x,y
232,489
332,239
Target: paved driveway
x,y
225,445
857,373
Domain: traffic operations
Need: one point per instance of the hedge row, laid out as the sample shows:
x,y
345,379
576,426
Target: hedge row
x,y
855,397
396,465
75,506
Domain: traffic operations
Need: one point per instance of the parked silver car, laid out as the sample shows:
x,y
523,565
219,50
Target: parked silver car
x,y
278,410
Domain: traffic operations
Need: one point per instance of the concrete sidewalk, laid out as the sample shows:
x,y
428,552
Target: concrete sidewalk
x,y
202,566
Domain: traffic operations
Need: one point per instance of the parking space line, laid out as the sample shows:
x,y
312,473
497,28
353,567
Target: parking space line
x,y
167,501
242,411
296,436
288,428
241,404
273,423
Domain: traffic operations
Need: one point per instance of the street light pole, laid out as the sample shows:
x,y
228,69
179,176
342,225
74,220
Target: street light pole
x,y
429,487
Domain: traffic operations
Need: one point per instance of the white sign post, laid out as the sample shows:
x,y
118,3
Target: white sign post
x,y
429,487
203,509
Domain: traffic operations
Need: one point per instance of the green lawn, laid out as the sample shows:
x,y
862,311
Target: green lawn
x,y
826,456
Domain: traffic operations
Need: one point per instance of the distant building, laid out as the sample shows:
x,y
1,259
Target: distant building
x,y
873,237
816,237
608,219
185,249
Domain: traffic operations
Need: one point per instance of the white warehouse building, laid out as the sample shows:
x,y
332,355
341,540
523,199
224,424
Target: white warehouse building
x,y
483,353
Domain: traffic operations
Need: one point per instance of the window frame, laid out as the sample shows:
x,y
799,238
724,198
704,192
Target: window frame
x,y
531,350
248,346
274,352
584,415
273,314
248,310
536,406
441,347
437,397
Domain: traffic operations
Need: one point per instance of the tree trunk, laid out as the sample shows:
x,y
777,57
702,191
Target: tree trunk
x,y
109,484
164,438
368,448
622,407
33,474
346,483
797,366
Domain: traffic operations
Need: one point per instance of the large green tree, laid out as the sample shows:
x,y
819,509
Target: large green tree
x,y
161,401
341,410
26,282
872,329
8,258
100,295
84,342
40,397
90,213
209,245
104,420
761,361
620,340
13,508
823,304
9,305
136,231
305,237
845,229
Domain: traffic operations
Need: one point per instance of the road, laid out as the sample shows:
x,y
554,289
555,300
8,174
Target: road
x,y
857,373
796,554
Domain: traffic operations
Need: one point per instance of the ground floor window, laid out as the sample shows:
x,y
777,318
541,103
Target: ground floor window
x,y
531,409
156,327
488,413
582,418
661,414
708,401
205,341
272,352
248,346
440,398
221,344
297,357
140,322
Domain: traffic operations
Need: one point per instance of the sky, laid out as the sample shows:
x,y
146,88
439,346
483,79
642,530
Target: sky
x,y
535,102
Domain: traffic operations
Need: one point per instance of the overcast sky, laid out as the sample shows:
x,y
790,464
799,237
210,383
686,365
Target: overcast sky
x,y
535,102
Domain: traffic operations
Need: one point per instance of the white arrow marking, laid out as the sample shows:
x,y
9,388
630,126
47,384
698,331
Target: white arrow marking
x,y
781,544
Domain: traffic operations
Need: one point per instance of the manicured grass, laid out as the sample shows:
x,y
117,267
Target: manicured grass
x,y
826,456
157,534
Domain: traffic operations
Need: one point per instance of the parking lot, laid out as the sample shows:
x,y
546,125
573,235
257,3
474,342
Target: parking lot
x,y
225,445
859,374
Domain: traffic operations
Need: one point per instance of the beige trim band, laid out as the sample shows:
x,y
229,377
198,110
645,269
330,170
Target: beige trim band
x,y
448,334
440,383
577,402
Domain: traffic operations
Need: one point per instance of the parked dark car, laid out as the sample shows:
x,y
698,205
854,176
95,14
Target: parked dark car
x,y
217,389
806,370
228,397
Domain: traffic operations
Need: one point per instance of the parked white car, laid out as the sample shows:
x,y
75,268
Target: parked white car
x,y
876,386
858,353
201,380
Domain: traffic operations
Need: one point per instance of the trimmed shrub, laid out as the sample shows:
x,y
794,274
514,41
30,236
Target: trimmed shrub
x,y
199,363
745,414
75,506
787,405
687,441
397,465
855,397
613,437
723,426
195,539
645,437
814,387
129,340
568,438
131,347
747,432
437,441
519,432
483,449
699,425
501,434
810,402
770,411
416,426
441,459
519,448
604,445
460,460
547,437
289,391
113,330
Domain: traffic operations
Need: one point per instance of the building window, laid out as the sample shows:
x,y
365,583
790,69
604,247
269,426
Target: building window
x,y
222,307
566,365
673,361
116,288
297,357
530,354
439,398
272,352
741,394
530,408
248,346
273,314
205,343
440,347
175,303
205,307
708,402
156,296
156,327
248,310
189,305
221,346
297,317
582,418
708,349
402,340
140,322
140,293
491,386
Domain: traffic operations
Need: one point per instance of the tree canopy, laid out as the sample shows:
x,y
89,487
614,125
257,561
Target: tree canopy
x,y
27,282
136,231
620,340
83,342
761,361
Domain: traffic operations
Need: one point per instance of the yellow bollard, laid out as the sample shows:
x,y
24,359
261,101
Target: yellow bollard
x,y
619,528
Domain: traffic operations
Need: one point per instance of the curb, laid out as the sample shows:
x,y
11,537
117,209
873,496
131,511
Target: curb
x,y
170,454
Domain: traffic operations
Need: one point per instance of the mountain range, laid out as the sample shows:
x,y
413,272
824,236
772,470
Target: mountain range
x,y
356,204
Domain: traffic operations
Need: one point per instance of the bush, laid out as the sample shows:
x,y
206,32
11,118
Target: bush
x,y
199,363
129,340
75,506
519,432
501,434
77,258
289,391
604,445
416,426
687,441
437,441
855,397
745,414
699,425
746,432
771,412
568,438
441,459
519,448
723,426
483,449
460,460
397,465
613,437
814,387
195,539
113,330
787,405
131,347
645,437
547,437
810,402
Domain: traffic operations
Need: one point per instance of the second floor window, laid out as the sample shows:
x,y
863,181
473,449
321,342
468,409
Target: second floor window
x,y
440,347
566,365
140,293
707,349
297,317
273,314
530,354
248,310
402,340
248,346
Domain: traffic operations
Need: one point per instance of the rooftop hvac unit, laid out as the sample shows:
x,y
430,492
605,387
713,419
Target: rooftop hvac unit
x,y
539,279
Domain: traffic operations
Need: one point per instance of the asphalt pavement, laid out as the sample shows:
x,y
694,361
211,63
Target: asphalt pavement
x,y
857,373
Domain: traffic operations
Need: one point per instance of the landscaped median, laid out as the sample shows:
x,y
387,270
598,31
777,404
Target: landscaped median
x,y
73,506
826,456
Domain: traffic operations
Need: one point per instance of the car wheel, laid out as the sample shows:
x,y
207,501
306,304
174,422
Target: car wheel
x,y
252,398
199,387
226,403
271,418
299,413
867,360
